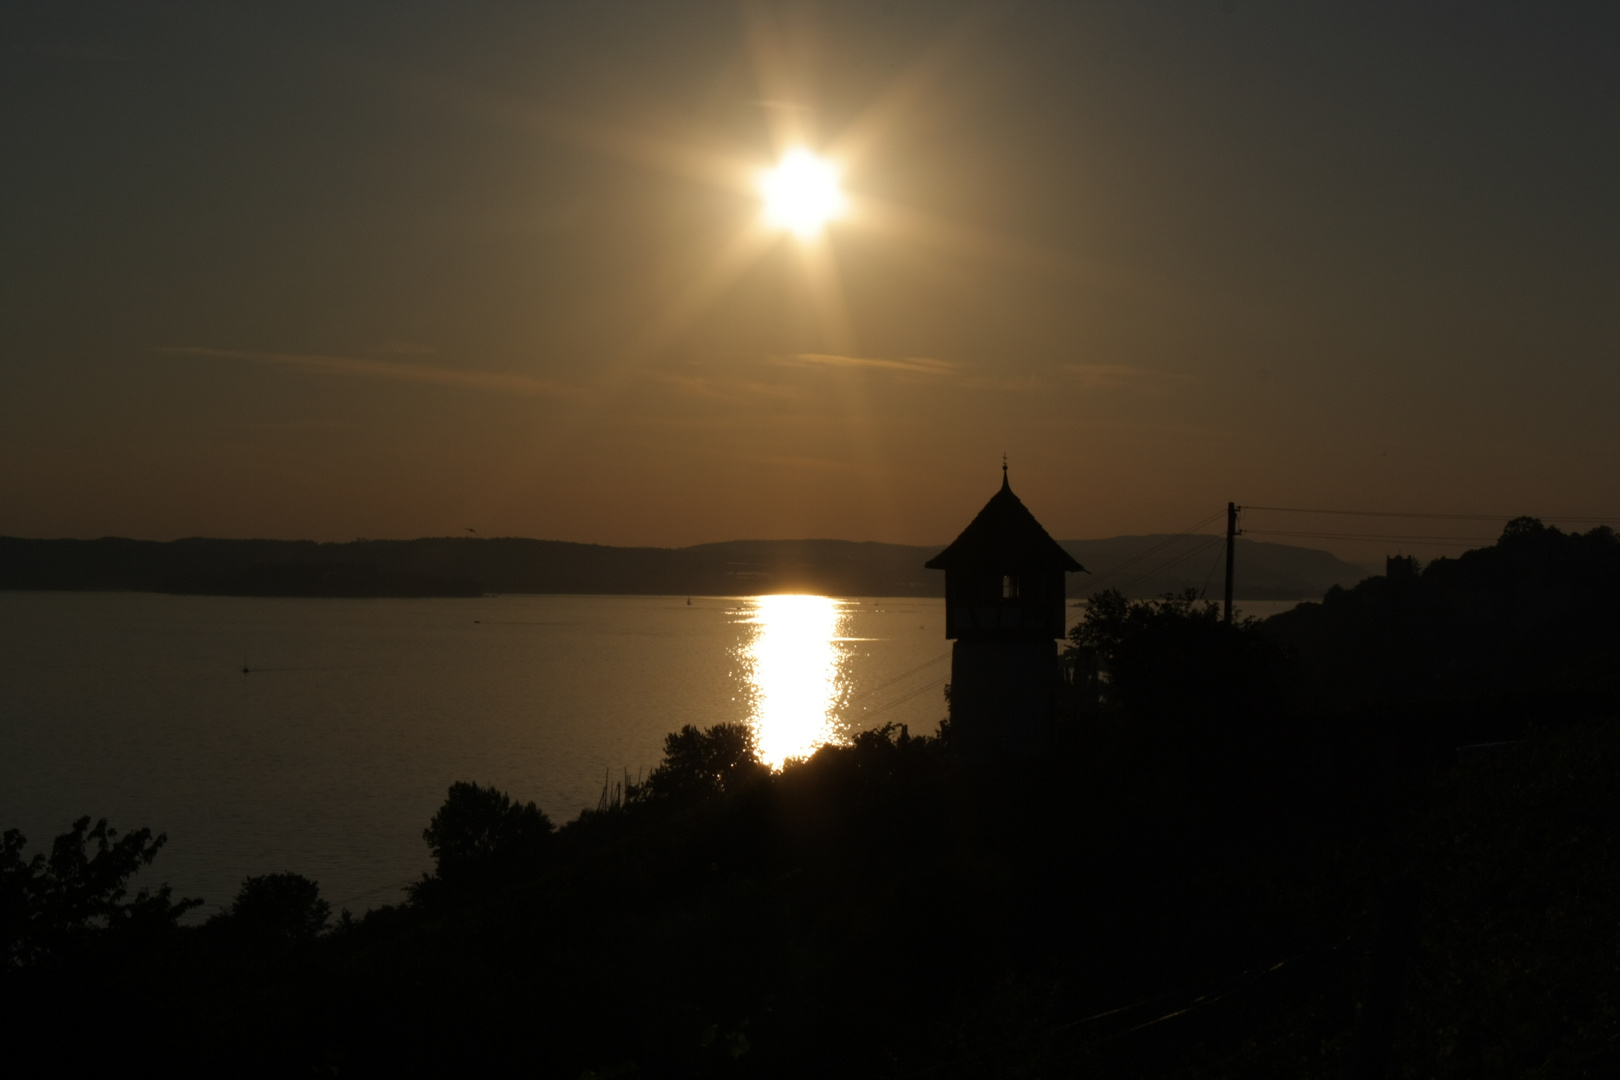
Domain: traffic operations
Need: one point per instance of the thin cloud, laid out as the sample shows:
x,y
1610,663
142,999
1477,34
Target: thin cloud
x,y
948,372
731,391
367,368
911,365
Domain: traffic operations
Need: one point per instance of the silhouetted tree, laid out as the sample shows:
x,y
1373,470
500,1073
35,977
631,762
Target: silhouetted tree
x,y
63,904
276,911
1174,660
699,764
481,839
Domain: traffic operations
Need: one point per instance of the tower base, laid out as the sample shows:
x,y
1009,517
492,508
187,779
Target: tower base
x,y
1004,694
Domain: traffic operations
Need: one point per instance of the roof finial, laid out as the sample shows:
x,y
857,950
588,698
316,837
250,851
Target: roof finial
x,y
1004,470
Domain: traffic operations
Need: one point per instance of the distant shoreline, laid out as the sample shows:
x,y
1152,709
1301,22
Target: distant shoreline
x,y
471,567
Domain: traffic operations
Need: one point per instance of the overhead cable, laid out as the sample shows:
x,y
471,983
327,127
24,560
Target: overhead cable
x,y
869,691
1162,567
1398,538
1433,517
901,700
1139,556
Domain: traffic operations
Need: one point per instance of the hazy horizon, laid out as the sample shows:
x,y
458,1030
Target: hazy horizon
x,y
1366,555
468,535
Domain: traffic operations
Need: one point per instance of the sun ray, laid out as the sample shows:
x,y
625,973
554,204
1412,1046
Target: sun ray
x,y
905,223
780,76
825,288
787,105
742,251
789,121
726,266
850,385
787,115
685,159
856,141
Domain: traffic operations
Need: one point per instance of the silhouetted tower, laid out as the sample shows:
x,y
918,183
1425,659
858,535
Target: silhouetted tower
x,y
1004,600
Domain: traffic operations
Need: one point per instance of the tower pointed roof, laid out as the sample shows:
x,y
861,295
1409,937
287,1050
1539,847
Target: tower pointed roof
x,y
1005,535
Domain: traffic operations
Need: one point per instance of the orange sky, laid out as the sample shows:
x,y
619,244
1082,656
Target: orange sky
x,y
403,270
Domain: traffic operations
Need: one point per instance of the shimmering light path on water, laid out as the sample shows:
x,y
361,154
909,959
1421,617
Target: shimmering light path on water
x,y
796,664
332,754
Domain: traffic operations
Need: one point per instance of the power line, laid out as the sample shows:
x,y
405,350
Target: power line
x,y
1209,577
1197,549
906,697
1127,564
1404,539
869,691
1162,567
1139,556
1432,517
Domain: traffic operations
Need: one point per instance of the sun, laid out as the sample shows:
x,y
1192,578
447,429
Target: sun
x,y
801,194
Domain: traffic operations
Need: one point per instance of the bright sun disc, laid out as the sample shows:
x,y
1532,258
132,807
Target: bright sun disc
x,y
801,193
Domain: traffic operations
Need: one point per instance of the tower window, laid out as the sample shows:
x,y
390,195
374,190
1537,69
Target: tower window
x,y
1009,587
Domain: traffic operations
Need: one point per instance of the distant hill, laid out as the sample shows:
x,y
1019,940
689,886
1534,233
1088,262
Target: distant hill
x,y
456,566
1143,566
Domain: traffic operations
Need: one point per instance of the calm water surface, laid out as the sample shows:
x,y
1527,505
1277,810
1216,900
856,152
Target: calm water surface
x,y
330,756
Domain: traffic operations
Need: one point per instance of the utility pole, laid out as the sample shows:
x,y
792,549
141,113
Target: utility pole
x,y
1231,537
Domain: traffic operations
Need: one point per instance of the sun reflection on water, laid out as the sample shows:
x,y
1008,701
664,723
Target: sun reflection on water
x,y
795,669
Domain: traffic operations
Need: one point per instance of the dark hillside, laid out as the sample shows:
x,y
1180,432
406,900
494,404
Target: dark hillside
x,y
1490,640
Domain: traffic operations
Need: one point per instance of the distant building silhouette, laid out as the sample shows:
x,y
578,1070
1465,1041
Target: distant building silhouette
x,y
1004,597
1402,567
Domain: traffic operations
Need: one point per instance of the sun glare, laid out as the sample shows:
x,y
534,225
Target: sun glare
x,y
801,194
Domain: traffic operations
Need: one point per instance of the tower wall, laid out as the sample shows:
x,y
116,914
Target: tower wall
x,y
1004,693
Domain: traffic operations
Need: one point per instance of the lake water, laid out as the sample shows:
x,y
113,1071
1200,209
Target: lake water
x,y
331,754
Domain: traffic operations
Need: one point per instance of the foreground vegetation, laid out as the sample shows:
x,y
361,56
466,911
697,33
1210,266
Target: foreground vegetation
x,y
1260,854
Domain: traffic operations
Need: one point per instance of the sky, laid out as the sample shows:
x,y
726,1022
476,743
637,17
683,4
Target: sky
x,y
396,270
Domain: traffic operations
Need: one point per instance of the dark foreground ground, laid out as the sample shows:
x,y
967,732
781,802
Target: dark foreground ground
x,y
1260,854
